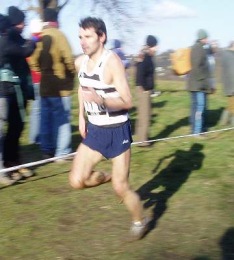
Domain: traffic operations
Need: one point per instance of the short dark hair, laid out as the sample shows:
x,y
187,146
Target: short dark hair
x,y
96,23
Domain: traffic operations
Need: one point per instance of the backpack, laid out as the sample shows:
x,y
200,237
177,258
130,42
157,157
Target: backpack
x,y
180,61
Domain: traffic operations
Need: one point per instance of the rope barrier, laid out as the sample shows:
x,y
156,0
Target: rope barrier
x,y
182,136
28,165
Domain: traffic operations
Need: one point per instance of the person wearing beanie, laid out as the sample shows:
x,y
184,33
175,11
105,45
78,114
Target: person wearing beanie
x,y
14,50
4,86
202,34
199,84
145,74
151,41
53,58
16,16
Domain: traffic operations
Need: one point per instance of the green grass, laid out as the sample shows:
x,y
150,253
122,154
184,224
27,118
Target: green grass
x,y
186,184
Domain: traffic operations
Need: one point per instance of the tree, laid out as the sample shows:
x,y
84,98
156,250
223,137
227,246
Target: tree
x,y
119,9
113,7
126,16
42,4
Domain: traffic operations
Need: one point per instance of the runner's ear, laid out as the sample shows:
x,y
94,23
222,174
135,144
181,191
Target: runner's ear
x,y
102,38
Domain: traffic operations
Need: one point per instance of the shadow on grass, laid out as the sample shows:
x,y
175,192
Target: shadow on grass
x,y
44,177
214,117
171,128
202,258
173,91
33,179
227,244
169,180
212,120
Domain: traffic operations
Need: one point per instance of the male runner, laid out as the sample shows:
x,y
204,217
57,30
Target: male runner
x,y
104,97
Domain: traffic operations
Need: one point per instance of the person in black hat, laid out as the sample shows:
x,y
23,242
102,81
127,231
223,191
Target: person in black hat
x,y
145,70
16,16
4,26
151,41
14,50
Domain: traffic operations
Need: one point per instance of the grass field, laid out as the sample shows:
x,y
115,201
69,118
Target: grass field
x,y
186,184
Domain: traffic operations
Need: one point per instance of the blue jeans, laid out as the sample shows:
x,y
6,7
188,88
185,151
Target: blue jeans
x,y
34,127
3,116
55,128
198,112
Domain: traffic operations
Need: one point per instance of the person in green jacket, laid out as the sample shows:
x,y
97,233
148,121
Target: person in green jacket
x,y
199,84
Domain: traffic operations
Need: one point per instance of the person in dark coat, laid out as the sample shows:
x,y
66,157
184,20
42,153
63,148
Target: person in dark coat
x,y
199,83
6,88
14,50
145,68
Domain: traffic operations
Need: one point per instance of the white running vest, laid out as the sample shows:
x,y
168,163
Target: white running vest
x,y
97,114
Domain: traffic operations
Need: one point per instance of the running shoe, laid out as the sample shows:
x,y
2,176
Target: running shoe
x,y
139,229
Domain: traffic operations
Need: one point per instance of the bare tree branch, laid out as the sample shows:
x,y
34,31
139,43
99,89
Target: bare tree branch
x,y
61,6
54,4
120,11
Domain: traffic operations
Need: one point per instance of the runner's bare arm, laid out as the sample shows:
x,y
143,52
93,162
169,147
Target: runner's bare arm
x,y
82,121
115,74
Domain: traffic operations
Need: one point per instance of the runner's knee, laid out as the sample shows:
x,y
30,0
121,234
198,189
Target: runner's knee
x,y
120,189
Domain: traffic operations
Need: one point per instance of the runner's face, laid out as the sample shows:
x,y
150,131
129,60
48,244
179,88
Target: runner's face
x,y
90,41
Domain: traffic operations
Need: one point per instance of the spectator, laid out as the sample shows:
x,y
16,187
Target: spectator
x,y
14,51
199,83
53,58
211,49
145,84
35,113
6,89
227,66
117,48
